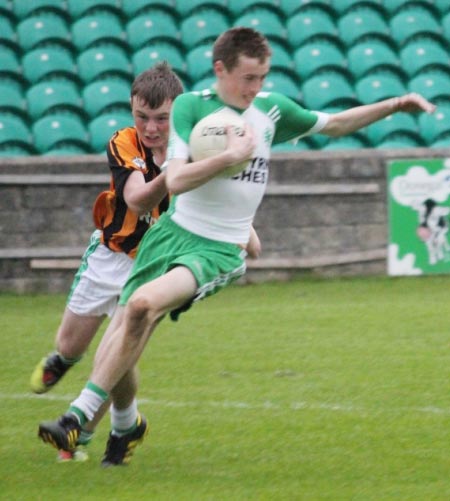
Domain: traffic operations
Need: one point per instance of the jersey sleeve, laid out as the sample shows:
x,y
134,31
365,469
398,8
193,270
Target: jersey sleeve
x,y
294,121
183,117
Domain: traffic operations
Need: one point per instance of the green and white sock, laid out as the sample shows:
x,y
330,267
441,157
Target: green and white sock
x,y
87,404
123,421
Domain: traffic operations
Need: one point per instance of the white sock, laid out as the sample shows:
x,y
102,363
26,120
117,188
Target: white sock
x,y
88,403
124,420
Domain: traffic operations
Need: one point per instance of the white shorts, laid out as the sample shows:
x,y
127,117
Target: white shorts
x,y
99,280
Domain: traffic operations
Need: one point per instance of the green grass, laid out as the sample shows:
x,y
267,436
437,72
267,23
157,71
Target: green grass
x,y
309,390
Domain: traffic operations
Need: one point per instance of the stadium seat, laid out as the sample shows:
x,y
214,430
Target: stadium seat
x,y
96,28
151,26
67,150
133,8
434,126
204,83
8,151
79,8
443,6
103,127
199,62
9,62
354,141
42,62
12,100
445,21
159,50
264,20
8,34
237,7
369,54
442,142
14,131
202,26
23,9
400,140
342,6
106,95
281,57
186,7
397,122
327,88
41,29
432,82
98,62
359,21
411,19
308,22
304,144
421,52
317,55
59,129
289,7
53,95
278,81
378,86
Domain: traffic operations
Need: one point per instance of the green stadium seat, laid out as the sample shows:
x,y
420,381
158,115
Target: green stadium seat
x,y
354,141
186,7
41,29
96,28
343,6
359,21
432,83
326,89
80,8
10,64
205,83
199,62
59,129
53,95
22,9
151,26
106,95
202,26
411,19
67,150
264,20
289,7
9,151
317,55
101,61
308,22
442,142
445,22
443,6
278,81
281,57
133,8
304,144
378,86
12,100
435,125
8,34
397,122
369,54
14,131
400,140
160,50
237,7
421,52
103,127
43,62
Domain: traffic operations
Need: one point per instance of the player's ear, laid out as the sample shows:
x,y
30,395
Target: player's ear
x,y
219,68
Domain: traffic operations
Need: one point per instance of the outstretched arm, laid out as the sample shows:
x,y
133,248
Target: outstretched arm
x,y
353,119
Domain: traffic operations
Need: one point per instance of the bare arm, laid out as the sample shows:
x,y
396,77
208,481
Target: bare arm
x,y
348,121
183,176
253,247
140,196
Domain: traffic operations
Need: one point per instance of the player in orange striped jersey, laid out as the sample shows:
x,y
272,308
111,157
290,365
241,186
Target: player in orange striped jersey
x,y
135,199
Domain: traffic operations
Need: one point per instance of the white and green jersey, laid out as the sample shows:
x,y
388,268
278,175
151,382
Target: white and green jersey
x,y
223,208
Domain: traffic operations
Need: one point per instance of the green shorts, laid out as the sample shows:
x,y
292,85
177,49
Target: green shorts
x,y
166,245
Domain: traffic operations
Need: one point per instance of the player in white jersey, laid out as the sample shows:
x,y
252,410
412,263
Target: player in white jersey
x,y
196,247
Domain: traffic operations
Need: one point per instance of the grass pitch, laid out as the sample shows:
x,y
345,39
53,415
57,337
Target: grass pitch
x,y
309,390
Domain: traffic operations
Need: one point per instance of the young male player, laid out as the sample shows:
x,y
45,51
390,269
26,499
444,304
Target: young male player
x,y
137,196
195,249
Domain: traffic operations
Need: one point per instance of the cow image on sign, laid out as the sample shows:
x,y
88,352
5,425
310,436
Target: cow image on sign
x,y
209,137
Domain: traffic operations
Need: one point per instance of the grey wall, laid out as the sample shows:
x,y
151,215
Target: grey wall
x,y
324,213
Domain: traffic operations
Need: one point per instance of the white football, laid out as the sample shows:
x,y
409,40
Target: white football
x,y
209,137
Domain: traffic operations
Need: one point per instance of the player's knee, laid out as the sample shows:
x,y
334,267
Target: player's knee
x,y
142,311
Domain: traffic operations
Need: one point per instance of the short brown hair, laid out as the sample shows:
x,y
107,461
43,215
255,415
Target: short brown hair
x,y
156,85
240,41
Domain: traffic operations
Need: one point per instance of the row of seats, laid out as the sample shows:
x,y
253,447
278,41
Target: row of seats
x,y
207,23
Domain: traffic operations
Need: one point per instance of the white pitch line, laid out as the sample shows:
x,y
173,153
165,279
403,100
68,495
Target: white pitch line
x,y
226,404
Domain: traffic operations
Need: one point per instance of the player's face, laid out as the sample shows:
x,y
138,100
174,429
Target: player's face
x,y
239,86
152,125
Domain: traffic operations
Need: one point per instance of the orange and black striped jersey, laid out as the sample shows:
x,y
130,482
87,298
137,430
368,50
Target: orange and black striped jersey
x,y
122,229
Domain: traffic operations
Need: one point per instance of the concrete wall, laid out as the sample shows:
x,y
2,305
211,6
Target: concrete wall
x,y
323,213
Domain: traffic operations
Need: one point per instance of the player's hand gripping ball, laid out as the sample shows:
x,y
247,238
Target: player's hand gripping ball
x,y
209,137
